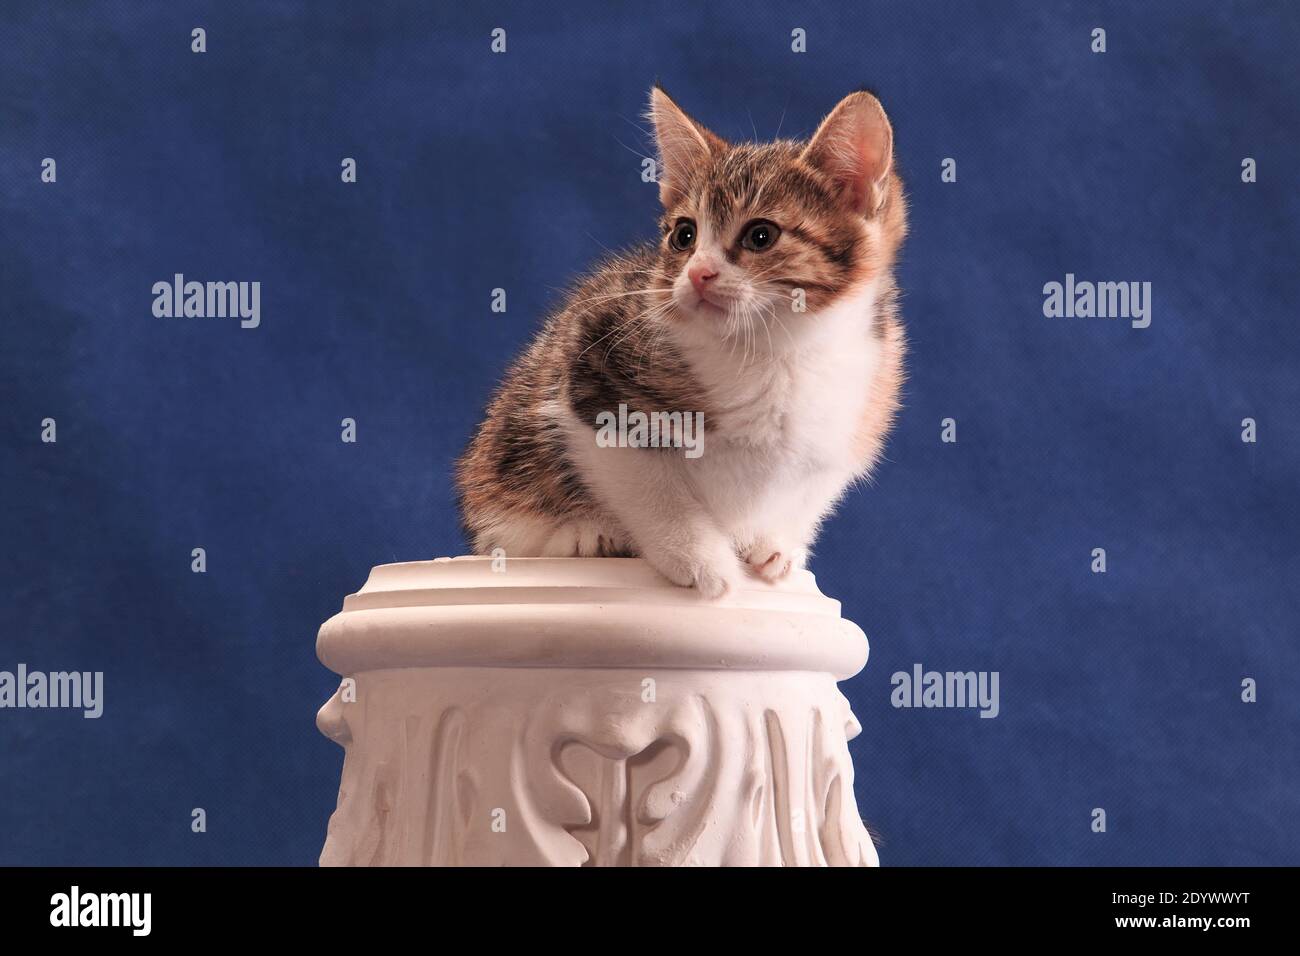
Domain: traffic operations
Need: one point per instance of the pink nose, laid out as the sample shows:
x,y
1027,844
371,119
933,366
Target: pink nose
x,y
701,274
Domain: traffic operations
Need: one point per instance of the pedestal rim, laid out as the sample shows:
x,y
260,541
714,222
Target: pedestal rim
x,y
582,613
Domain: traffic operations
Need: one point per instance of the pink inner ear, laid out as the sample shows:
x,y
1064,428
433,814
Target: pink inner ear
x,y
855,177
844,162
853,148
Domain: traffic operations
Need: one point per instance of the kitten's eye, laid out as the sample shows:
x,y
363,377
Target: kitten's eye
x,y
683,235
760,235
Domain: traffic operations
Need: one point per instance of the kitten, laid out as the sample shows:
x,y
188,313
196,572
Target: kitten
x,y
769,306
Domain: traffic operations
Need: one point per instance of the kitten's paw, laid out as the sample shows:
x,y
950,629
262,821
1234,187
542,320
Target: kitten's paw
x,y
582,539
711,571
771,560
713,582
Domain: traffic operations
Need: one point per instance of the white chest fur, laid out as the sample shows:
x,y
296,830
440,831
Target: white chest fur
x,y
778,445
800,401
782,429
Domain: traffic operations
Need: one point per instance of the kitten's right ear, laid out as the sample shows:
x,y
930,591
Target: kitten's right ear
x,y
684,145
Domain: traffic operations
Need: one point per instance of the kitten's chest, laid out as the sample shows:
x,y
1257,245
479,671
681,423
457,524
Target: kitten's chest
x,y
803,407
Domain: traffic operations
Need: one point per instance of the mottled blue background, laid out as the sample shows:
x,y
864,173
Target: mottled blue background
x,y
476,171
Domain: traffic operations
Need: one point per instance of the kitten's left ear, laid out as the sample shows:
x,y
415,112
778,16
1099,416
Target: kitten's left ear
x,y
854,146
684,145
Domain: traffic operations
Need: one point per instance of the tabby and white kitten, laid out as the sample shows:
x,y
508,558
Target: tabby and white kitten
x,y
769,305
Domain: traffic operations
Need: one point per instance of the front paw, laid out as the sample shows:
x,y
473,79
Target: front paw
x,y
770,559
714,581
711,570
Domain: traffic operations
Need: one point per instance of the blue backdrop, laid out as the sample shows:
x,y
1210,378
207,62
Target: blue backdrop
x,y
477,171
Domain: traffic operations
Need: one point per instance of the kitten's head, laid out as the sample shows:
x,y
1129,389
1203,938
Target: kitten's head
x,y
746,226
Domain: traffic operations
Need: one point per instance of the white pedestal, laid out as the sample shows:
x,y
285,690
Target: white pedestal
x,y
568,712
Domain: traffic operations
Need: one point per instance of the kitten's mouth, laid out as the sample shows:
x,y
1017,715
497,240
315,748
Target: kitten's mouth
x,y
705,304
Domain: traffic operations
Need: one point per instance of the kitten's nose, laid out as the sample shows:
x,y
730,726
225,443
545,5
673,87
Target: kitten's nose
x,y
701,274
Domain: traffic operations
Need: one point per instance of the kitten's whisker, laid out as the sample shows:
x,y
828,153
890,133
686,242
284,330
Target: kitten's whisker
x,y
767,330
601,244
744,327
631,150
639,322
730,333
769,302
652,352
776,317
597,342
647,133
614,331
658,335
628,333
618,295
